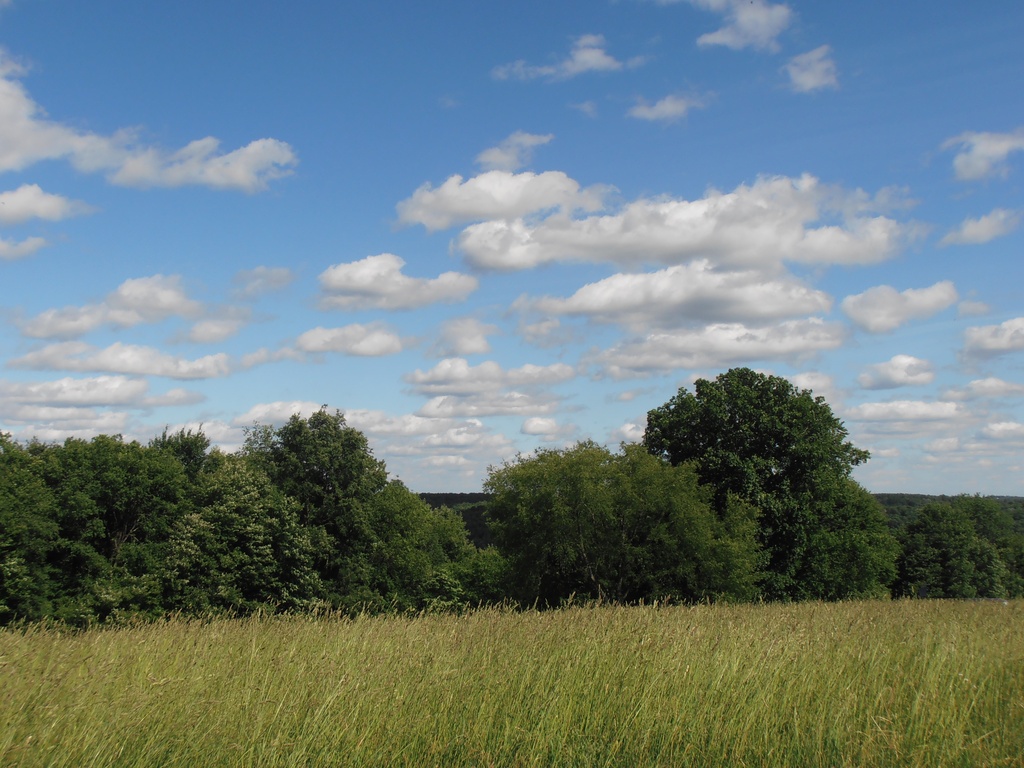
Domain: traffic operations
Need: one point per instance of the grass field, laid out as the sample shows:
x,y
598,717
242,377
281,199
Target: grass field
x,y
918,683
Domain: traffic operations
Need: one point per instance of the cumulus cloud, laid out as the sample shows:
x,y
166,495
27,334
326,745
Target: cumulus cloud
x,y
361,340
905,411
256,282
512,153
985,341
775,219
982,155
548,430
30,202
588,55
27,137
899,371
990,387
276,412
812,71
135,301
10,250
121,358
1004,430
455,376
211,330
464,336
94,391
717,346
667,109
685,293
883,308
377,282
749,23
496,194
976,231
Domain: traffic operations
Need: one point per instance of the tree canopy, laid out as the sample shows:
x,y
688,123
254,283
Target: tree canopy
x,y
782,450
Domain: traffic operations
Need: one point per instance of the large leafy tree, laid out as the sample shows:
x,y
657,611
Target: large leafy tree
x,y
781,449
615,526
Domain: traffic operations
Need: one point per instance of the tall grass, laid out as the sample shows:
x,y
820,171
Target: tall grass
x,y
928,683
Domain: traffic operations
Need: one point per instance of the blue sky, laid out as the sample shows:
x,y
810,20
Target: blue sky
x,y
482,228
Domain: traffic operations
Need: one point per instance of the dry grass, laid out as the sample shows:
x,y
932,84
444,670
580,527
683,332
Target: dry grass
x,y
923,683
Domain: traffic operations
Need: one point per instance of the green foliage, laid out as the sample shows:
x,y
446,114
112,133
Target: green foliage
x,y
945,554
243,549
621,527
782,450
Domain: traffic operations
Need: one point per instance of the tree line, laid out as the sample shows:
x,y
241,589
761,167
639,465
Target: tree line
x,y
740,490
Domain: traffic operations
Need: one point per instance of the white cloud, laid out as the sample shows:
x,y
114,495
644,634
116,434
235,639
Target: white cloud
x,y
30,202
252,283
496,194
684,293
464,336
135,301
9,251
1004,430
982,155
588,55
972,308
122,358
27,137
718,345
991,340
455,376
990,387
211,330
512,153
377,282
667,109
490,404
976,231
95,391
905,411
749,23
547,429
883,308
361,340
899,371
775,219
277,412
812,71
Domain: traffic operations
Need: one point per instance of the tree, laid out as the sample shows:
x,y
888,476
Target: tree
x,y
621,527
782,450
943,556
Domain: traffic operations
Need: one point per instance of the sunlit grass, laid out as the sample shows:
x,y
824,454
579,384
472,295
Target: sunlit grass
x,y
854,684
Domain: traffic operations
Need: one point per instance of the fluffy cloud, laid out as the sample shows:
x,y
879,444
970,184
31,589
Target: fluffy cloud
x,y
1004,430
905,411
377,282
749,23
276,412
991,340
812,71
9,251
211,330
496,194
95,391
136,301
490,404
355,339
680,294
773,220
513,153
455,376
27,137
464,336
976,231
990,387
718,345
30,202
883,308
252,283
122,358
587,55
667,109
982,155
899,371
546,429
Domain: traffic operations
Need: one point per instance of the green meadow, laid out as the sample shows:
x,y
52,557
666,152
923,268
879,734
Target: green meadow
x,y
901,683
